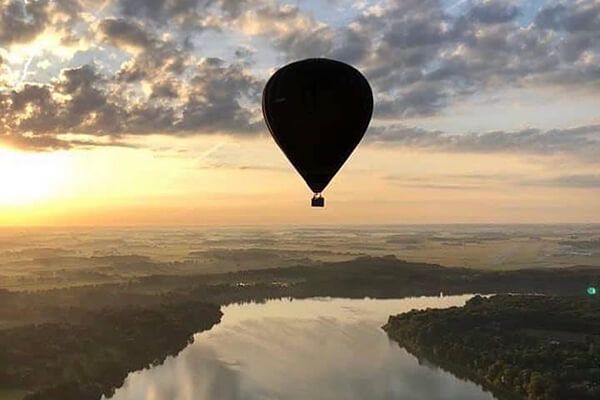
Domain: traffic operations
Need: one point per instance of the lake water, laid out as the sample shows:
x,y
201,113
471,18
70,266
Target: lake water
x,y
314,349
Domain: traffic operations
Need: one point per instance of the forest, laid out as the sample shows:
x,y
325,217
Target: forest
x,y
518,346
92,357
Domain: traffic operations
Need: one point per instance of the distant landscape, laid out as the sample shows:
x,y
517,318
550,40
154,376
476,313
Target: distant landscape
x,y
41,258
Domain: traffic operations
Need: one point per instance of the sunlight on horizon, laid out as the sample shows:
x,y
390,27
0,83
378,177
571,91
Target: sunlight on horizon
x,y
27,178
150,186
126,113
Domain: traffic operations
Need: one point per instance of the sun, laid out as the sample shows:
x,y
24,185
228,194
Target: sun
x,y
27,178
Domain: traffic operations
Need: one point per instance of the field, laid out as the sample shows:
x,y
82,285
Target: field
x,y
7,394
42,258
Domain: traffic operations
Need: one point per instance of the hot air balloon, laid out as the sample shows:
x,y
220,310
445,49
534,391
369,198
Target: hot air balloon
x,y
317,110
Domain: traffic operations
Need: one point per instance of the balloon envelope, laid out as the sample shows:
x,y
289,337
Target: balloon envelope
x,y
317,110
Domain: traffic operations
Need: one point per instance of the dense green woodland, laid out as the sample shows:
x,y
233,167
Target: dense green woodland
x,y
521,347
80,342
93,357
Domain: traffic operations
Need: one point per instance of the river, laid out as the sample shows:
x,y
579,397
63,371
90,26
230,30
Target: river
x,y
313,349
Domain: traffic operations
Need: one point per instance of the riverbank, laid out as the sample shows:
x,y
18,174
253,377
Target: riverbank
x,y
428,357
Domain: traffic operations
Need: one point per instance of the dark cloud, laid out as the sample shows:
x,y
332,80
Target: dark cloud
x,y
424,183
124,33
187,13
421,99
50,143
569,181
214,102
232,7
165,89
572,16
83,101
157,10
397,48
83,107
479,181
493,12
188,94
582,142
34,143
312,43
292,32
467,181
161,59
90,108
22,21
245,54
351,46
420,59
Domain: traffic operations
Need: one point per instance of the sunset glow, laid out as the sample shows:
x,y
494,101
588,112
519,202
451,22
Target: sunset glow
x,y
32,178
117,113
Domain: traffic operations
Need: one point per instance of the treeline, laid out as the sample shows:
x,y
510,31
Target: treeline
x,y
84,360
378,277
521,347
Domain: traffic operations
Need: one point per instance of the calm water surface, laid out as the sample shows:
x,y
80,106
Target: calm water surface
x,y
317,349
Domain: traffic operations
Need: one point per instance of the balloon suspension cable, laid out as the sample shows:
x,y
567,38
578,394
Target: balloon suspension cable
x,y
318,200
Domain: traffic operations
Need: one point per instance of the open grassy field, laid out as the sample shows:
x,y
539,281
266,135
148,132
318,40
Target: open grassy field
x,y
12,394
44,259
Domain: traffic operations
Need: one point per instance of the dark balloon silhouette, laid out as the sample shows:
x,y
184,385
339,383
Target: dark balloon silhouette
x,y
317,110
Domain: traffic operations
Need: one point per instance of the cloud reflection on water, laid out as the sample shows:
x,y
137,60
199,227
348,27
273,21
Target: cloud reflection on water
x,y
302,349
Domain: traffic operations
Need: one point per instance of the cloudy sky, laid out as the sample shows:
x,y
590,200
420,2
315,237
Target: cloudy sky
x,y
148,111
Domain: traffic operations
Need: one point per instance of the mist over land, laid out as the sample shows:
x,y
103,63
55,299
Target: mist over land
x,y
38,258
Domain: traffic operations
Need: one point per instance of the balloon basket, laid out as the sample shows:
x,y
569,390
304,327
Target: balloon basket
x,y
318,201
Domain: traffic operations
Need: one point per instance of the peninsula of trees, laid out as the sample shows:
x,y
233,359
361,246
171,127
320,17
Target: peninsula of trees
x,y
518,346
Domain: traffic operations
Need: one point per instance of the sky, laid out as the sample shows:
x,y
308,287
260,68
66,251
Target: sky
x,y
148,112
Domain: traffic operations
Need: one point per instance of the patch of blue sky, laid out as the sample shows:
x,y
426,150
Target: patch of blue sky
x,y
106,59
528,8
341,12
225,43
455,7
47,65
217,44
265,57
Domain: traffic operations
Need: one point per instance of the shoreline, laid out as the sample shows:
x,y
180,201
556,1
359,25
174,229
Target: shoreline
x,y
459,371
